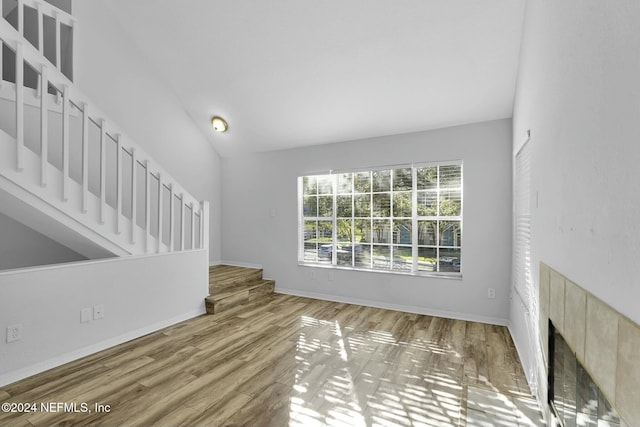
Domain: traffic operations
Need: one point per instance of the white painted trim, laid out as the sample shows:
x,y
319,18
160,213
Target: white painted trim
x,y
530,381
26,270
436,275
37,368
50,9
70,95
239,264
540,381
397,307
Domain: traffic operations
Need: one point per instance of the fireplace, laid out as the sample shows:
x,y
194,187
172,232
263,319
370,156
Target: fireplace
x,y
591,356
575,399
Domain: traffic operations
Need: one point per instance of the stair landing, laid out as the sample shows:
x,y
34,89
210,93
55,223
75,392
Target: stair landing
x,y
230,286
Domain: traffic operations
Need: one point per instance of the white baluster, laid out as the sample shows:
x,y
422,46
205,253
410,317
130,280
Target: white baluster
x,y
85,157
134,195
58,44
19,106
171,219
1,58
72,77
159,211
147,206
193,226
20,12
103,172
38,89
118,184
182,221
44,127
204,224
40,28
199,225
65,143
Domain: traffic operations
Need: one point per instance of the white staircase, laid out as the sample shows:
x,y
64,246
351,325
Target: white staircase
x,y
66,170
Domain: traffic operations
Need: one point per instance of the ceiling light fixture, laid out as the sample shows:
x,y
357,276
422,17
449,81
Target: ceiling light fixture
x,y
219,124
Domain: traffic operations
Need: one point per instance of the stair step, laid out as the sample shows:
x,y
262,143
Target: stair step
x,y
224,275
233,295
231,286
233,289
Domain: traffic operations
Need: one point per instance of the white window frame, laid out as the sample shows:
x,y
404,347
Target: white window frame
x,y
414,267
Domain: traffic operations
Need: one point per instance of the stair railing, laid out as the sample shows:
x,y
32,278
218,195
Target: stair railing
x,y
33,31
55,88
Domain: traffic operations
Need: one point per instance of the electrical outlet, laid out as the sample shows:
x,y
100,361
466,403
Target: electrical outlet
x,y
85,315
491,293
14,333
98,312
330,276
312,275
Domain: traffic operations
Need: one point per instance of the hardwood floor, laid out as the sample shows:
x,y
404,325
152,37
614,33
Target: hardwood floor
x,y
291,361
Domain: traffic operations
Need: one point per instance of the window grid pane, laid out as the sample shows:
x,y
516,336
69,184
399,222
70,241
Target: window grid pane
x,y
368,219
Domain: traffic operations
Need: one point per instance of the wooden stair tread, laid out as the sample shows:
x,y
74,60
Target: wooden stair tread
x,y
225,291
220,275
232,286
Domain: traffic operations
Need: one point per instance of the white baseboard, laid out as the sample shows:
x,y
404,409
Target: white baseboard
x,y
240,264
397,307
39,367
538,384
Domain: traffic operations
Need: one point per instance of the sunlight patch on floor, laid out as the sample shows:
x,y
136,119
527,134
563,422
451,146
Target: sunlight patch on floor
x,y
423,386
488,408
371,392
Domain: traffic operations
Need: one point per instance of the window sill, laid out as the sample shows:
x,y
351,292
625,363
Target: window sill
x,y
447,276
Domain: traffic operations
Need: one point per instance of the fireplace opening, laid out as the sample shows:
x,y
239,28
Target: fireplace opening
x,y
574,397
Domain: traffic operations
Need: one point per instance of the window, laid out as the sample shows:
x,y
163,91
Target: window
x,y
521,264
405,219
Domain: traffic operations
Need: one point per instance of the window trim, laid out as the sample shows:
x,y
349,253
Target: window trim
x,y
414,245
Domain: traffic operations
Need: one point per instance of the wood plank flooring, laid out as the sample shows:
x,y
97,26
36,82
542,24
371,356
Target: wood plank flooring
x,y
291,361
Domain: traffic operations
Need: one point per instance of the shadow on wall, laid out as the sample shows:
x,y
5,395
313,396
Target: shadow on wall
x,y
21,246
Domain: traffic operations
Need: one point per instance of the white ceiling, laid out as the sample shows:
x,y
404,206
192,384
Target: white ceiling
x,y
291,73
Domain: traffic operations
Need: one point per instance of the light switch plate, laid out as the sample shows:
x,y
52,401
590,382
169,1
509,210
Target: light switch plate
x,y
85,315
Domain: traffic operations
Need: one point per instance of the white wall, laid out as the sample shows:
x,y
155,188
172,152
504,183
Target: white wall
x,y
117,77
139,294
578,91
256,184
21,246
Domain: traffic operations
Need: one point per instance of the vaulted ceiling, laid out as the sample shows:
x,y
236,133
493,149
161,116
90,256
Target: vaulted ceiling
x,y
291,73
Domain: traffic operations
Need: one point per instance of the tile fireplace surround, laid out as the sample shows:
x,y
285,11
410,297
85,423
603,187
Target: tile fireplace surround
x,y
605,342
